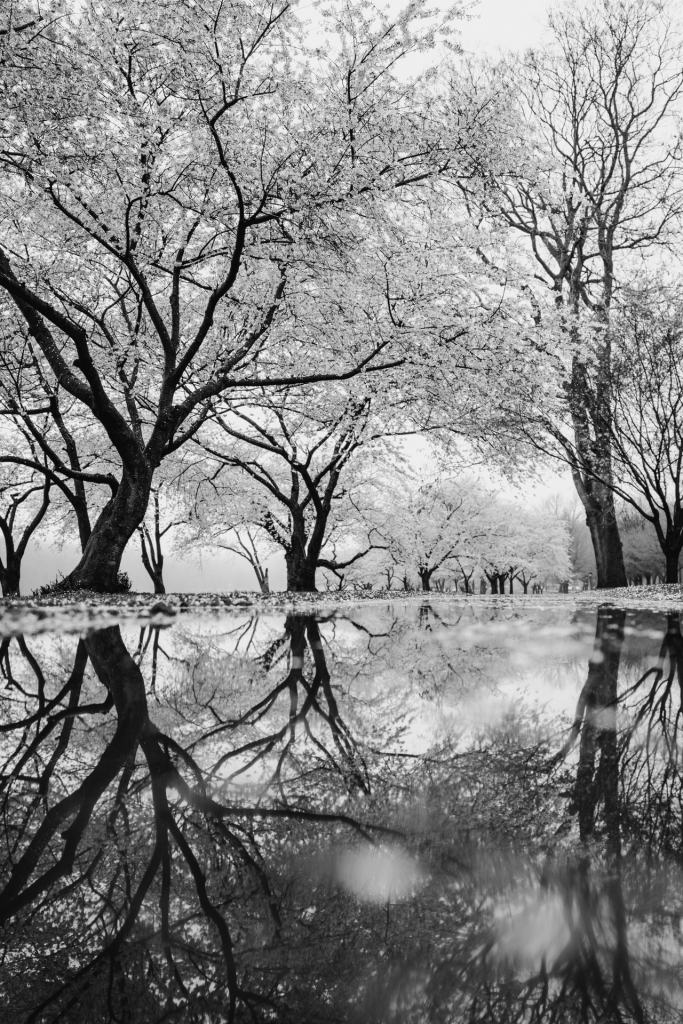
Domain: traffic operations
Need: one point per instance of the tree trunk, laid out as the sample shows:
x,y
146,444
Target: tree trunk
x,y
99,567
157,580
672,566
512,584
493,580
525,587
425,575
593,448
501,584
300,572
609,556
154,564
10,576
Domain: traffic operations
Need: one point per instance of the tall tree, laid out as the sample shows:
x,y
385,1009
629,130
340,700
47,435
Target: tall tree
x,y
646,415
600,105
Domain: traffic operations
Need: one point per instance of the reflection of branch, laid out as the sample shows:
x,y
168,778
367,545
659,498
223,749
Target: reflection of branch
x,y
126,687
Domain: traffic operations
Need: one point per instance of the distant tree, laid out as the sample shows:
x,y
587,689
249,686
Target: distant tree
x,y
541,549
152,534
524,544
44,430
431,523
293,471
24,502
570,511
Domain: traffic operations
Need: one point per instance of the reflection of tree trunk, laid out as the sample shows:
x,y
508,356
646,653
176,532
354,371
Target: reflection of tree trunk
x,y
596,721
353,766
122,678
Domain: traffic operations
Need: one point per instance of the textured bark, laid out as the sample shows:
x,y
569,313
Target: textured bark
x,y
158,582
302,554
425,577
609,556
300,573
592,464
99,566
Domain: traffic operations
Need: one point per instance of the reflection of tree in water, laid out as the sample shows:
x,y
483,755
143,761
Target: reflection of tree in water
x,y
263,845
610,904
140,882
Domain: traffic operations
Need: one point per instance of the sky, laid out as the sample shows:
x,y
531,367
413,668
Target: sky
x,y
502,25
494,26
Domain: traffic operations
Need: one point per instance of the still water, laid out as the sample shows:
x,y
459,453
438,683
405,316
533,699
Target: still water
x,y
388,813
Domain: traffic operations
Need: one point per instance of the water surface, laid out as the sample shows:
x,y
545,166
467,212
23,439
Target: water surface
x,y
456,813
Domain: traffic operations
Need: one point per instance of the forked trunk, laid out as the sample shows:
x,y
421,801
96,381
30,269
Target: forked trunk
x,y
100,564
301,557
300,568
158,581
300,575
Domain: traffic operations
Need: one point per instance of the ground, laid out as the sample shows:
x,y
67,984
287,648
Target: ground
x,y
84,610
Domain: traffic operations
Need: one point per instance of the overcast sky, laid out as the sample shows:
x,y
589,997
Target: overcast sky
x,y
494,26
499,25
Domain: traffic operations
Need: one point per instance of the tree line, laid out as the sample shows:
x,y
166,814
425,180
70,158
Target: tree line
x,y
254,269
